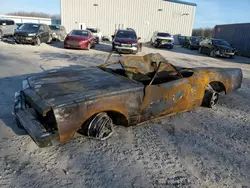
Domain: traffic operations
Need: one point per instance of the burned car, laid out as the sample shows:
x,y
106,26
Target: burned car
x,y
127,90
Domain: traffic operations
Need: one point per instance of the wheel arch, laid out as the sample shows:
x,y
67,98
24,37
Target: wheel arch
x,y
218,86
117,117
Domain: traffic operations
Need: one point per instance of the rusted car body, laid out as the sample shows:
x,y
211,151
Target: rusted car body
x,y
140,89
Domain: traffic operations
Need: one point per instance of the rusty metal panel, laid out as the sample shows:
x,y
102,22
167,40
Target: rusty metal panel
x,y
236,34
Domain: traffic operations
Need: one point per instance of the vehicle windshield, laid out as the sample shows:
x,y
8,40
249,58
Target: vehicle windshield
x,y
126,34
30,27
221,42
195,39
163,35
80,33
54,27
93,30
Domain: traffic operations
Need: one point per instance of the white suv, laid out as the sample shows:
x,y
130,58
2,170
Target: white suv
x,y
162,39
96,32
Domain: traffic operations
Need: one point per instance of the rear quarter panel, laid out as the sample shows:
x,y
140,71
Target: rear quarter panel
x,y
71,117
231,78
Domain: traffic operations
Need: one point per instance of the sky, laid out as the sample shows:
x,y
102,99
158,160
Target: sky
x,y
208,12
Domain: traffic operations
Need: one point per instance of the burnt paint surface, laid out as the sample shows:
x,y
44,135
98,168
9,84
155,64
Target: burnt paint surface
x,y
75,95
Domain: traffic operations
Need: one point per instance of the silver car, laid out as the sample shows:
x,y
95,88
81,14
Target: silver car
x,y
58,32
7,28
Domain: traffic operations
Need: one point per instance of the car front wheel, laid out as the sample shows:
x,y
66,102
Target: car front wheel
x,y
38,41
212,53
50,39
200,50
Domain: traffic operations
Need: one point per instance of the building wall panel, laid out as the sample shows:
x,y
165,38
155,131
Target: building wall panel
x,y
141,15
236,34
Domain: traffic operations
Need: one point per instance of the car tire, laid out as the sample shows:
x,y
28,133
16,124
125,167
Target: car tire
x,y
189,47
200,50
38,41
88,47
99,126
97,40
231,56
50,39
210,99
212,53
1,34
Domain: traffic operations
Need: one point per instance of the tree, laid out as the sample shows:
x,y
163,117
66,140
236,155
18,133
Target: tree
x,y
204,32
35,14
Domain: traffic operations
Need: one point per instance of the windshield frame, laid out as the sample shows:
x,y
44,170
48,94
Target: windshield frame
x,y
74,31
54,27
28,26
92,30
163,34
128,34
220,42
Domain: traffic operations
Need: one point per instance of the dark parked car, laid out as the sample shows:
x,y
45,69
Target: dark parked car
x,y
19,25
7,28
217,47
125,41
127,91
79,39
192,42
32,33
58,32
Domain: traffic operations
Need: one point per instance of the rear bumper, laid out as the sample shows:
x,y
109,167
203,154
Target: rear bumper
x,y
37,132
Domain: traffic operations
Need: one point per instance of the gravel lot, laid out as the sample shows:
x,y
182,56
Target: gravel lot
x,y
201,148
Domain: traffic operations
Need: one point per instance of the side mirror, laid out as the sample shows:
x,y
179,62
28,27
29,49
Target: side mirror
x,y
139,38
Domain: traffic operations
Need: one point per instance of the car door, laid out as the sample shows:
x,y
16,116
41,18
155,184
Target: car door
x,y
42,34
166,98
3,27
91,39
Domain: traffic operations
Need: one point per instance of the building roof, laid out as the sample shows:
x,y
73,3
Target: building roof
x,y
182,2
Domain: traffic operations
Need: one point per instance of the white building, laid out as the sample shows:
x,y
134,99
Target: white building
x,y
144,16
25,19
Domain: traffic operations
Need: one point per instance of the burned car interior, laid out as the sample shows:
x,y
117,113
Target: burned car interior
x,y
151,69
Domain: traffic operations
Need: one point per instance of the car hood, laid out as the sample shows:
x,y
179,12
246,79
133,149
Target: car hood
x,y
61,87
225,47
77,38
125,40
24,32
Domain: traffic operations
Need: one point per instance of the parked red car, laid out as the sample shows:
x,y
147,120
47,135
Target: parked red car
x,y
80,39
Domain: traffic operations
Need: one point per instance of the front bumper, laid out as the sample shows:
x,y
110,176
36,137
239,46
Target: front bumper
x,y
26,120
224,54
24,39
76,45
126,49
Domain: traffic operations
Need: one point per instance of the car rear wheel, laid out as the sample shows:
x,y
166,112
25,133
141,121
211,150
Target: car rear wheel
x,y
211,97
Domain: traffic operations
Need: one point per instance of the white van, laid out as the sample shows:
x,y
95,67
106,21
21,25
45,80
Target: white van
x,y
7,27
